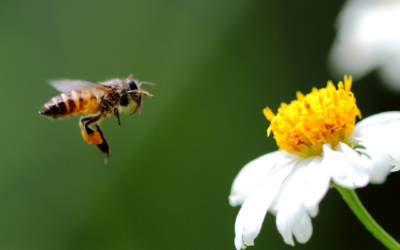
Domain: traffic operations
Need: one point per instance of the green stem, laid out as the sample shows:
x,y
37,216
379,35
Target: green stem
x,y
362,214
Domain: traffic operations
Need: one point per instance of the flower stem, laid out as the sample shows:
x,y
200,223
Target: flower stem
x,y
362,214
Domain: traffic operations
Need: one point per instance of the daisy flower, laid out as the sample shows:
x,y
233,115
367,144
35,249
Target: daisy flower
x,y
320,145
368,38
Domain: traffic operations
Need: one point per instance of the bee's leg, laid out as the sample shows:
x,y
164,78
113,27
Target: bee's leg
x,y
134,111
90,120
115,108
95,137
104,145
116,114
88,134
140,104
81,122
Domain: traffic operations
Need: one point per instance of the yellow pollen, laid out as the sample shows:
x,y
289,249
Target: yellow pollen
x,y
323,116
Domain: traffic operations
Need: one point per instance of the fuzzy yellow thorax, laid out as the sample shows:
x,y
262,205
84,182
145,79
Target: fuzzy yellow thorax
x,y
323,116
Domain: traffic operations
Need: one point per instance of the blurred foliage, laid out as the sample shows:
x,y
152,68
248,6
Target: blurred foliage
x,y
217,64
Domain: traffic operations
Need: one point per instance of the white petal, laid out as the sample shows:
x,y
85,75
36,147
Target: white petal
x,y
378,164
239,244
355,50
377,120
394,162
317,185
379,130
273,207
390,73
345,166
380,134
355,163
294,182
255,219
302,227
368,38
292,216
336,162
396,168
284,227
252,175
251,215
348,57
356,171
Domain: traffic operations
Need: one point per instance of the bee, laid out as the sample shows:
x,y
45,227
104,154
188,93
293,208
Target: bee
x,y
97,101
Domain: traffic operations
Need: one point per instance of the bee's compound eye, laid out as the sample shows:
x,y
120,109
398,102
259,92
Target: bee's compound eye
x,y
132,84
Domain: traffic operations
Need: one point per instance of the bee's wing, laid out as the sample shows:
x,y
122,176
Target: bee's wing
x,y
70,85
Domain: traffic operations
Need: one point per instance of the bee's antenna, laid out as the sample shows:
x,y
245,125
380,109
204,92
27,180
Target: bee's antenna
x,y
148,83
141,92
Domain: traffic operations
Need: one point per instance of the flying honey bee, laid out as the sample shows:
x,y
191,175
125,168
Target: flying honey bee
x,y
100,100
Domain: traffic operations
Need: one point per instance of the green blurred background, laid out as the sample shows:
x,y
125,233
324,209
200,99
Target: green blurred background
x,y
217,64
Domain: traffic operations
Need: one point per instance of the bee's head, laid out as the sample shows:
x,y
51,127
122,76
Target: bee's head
x,y
136,93
132,83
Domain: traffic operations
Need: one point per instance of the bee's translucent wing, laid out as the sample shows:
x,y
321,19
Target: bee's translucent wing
x,y
70,85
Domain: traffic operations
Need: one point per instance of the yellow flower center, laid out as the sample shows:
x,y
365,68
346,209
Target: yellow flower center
x,y
323,116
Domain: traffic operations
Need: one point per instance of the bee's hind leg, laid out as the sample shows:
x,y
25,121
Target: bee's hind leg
x,y
116,114
89,120
94,137
88,134
104,145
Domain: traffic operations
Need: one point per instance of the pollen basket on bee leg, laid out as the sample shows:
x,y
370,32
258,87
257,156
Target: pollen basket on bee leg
x,y
93,138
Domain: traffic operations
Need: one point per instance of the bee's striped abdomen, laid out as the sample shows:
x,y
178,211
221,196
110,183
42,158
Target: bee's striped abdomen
x,y
72,103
